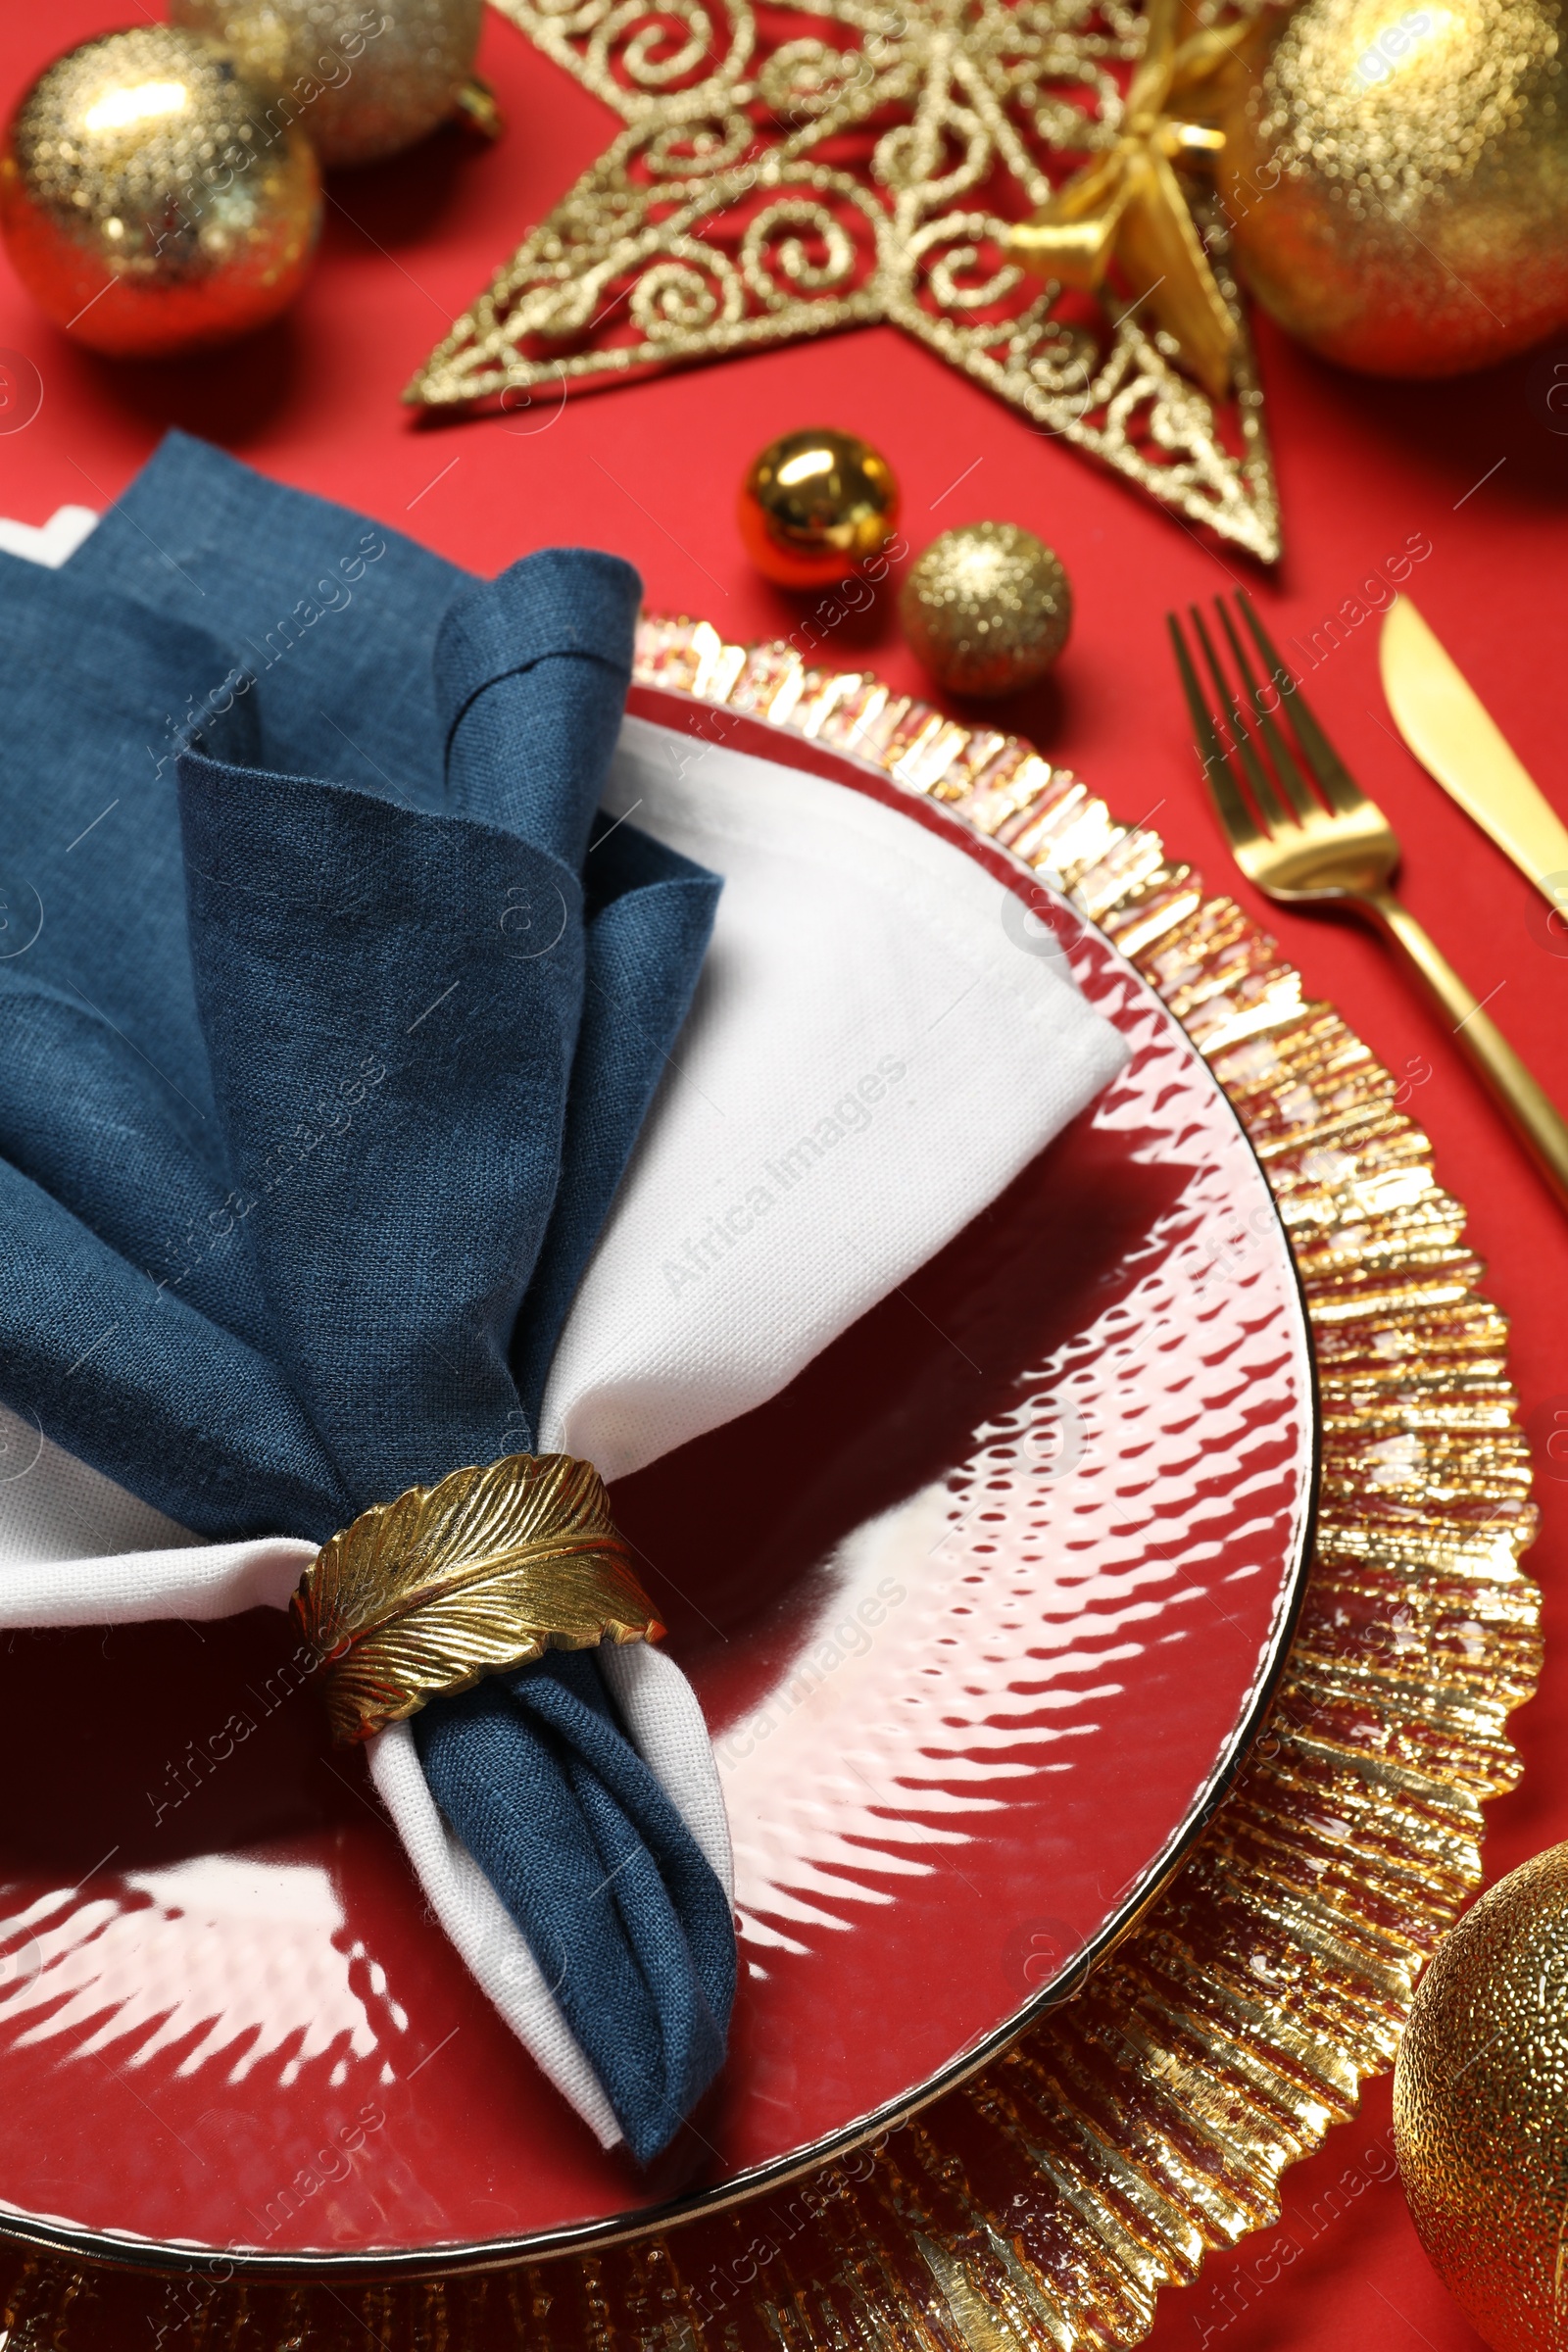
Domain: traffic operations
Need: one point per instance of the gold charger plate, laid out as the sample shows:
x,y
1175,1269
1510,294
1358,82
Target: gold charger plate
x,y
1151,2115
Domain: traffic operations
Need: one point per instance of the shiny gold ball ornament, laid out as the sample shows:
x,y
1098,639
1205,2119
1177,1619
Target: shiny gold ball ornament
x,y
1397,177
1481,2109
987,608
149,201
362,79
814,504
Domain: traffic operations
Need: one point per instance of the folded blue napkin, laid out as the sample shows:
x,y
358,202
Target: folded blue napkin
x,y
330,1021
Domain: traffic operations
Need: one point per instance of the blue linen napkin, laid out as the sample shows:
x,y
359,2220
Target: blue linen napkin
x,y
316,1093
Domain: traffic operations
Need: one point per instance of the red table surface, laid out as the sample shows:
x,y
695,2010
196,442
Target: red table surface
x,y
651,470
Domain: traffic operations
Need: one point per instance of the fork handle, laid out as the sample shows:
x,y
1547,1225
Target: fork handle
x,y
1536,1119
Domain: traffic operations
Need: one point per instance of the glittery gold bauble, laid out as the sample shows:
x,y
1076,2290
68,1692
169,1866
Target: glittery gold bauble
x,y
362,81
1398,180
814,504
150,201
1481,2109
987,608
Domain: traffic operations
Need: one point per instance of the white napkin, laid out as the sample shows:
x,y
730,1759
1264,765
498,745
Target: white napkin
x,y
50,543
870,1058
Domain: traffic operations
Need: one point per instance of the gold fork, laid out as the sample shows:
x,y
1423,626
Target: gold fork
x,y
1302,852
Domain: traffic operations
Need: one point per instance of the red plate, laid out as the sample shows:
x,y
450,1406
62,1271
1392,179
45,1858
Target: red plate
x,y
982,1610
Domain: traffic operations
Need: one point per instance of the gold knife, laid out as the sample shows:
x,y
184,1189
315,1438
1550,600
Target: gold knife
x,y
1446,725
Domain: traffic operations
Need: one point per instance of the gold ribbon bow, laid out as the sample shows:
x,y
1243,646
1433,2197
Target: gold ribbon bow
x,y
1128,204
484,1571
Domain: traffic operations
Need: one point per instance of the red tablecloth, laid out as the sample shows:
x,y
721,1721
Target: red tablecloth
x,y
651,470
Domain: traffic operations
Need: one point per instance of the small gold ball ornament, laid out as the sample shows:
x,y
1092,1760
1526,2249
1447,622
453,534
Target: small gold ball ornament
x,y
362,81
815,503
987,608
1397,179
1481,2108
148,202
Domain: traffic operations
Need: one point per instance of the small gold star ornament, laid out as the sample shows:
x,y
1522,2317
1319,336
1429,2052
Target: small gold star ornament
x,y
1129,207
149,201
815,503
987,608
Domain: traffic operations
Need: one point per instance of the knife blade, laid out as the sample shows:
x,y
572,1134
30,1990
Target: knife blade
x,y
1451,731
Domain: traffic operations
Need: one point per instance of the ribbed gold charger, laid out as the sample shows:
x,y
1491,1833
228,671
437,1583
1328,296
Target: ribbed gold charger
x,y
1047,2201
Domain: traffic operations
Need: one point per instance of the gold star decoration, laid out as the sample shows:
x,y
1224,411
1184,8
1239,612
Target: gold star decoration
x,y
1128,207
890,162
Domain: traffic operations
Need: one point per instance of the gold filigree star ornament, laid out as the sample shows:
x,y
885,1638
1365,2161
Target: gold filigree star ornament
x,y
894,164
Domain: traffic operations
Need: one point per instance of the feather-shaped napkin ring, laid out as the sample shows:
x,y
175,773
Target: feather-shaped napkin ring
x,y
483,1571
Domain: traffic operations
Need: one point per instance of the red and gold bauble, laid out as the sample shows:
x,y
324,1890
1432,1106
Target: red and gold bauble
x,y
815,503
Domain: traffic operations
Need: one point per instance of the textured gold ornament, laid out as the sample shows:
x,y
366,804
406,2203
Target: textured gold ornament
x,y
872,168
1129,207
1397,181
1480,2110
815,503
483,1571
987,608
1041,2206
149,201
362,78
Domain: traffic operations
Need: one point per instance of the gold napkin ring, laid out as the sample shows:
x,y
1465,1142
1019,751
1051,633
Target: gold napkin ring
x,y
488,1569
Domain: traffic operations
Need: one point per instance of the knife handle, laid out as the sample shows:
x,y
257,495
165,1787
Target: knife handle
x,y
1533,1116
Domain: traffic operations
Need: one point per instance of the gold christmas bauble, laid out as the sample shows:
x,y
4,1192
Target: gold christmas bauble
x,y
149,202
987,608
362,81
1396,177
815,503
1481,2109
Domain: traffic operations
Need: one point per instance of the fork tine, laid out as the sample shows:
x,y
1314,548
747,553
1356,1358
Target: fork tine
x,y
1276,817
1338,785
1279,750
1239,825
